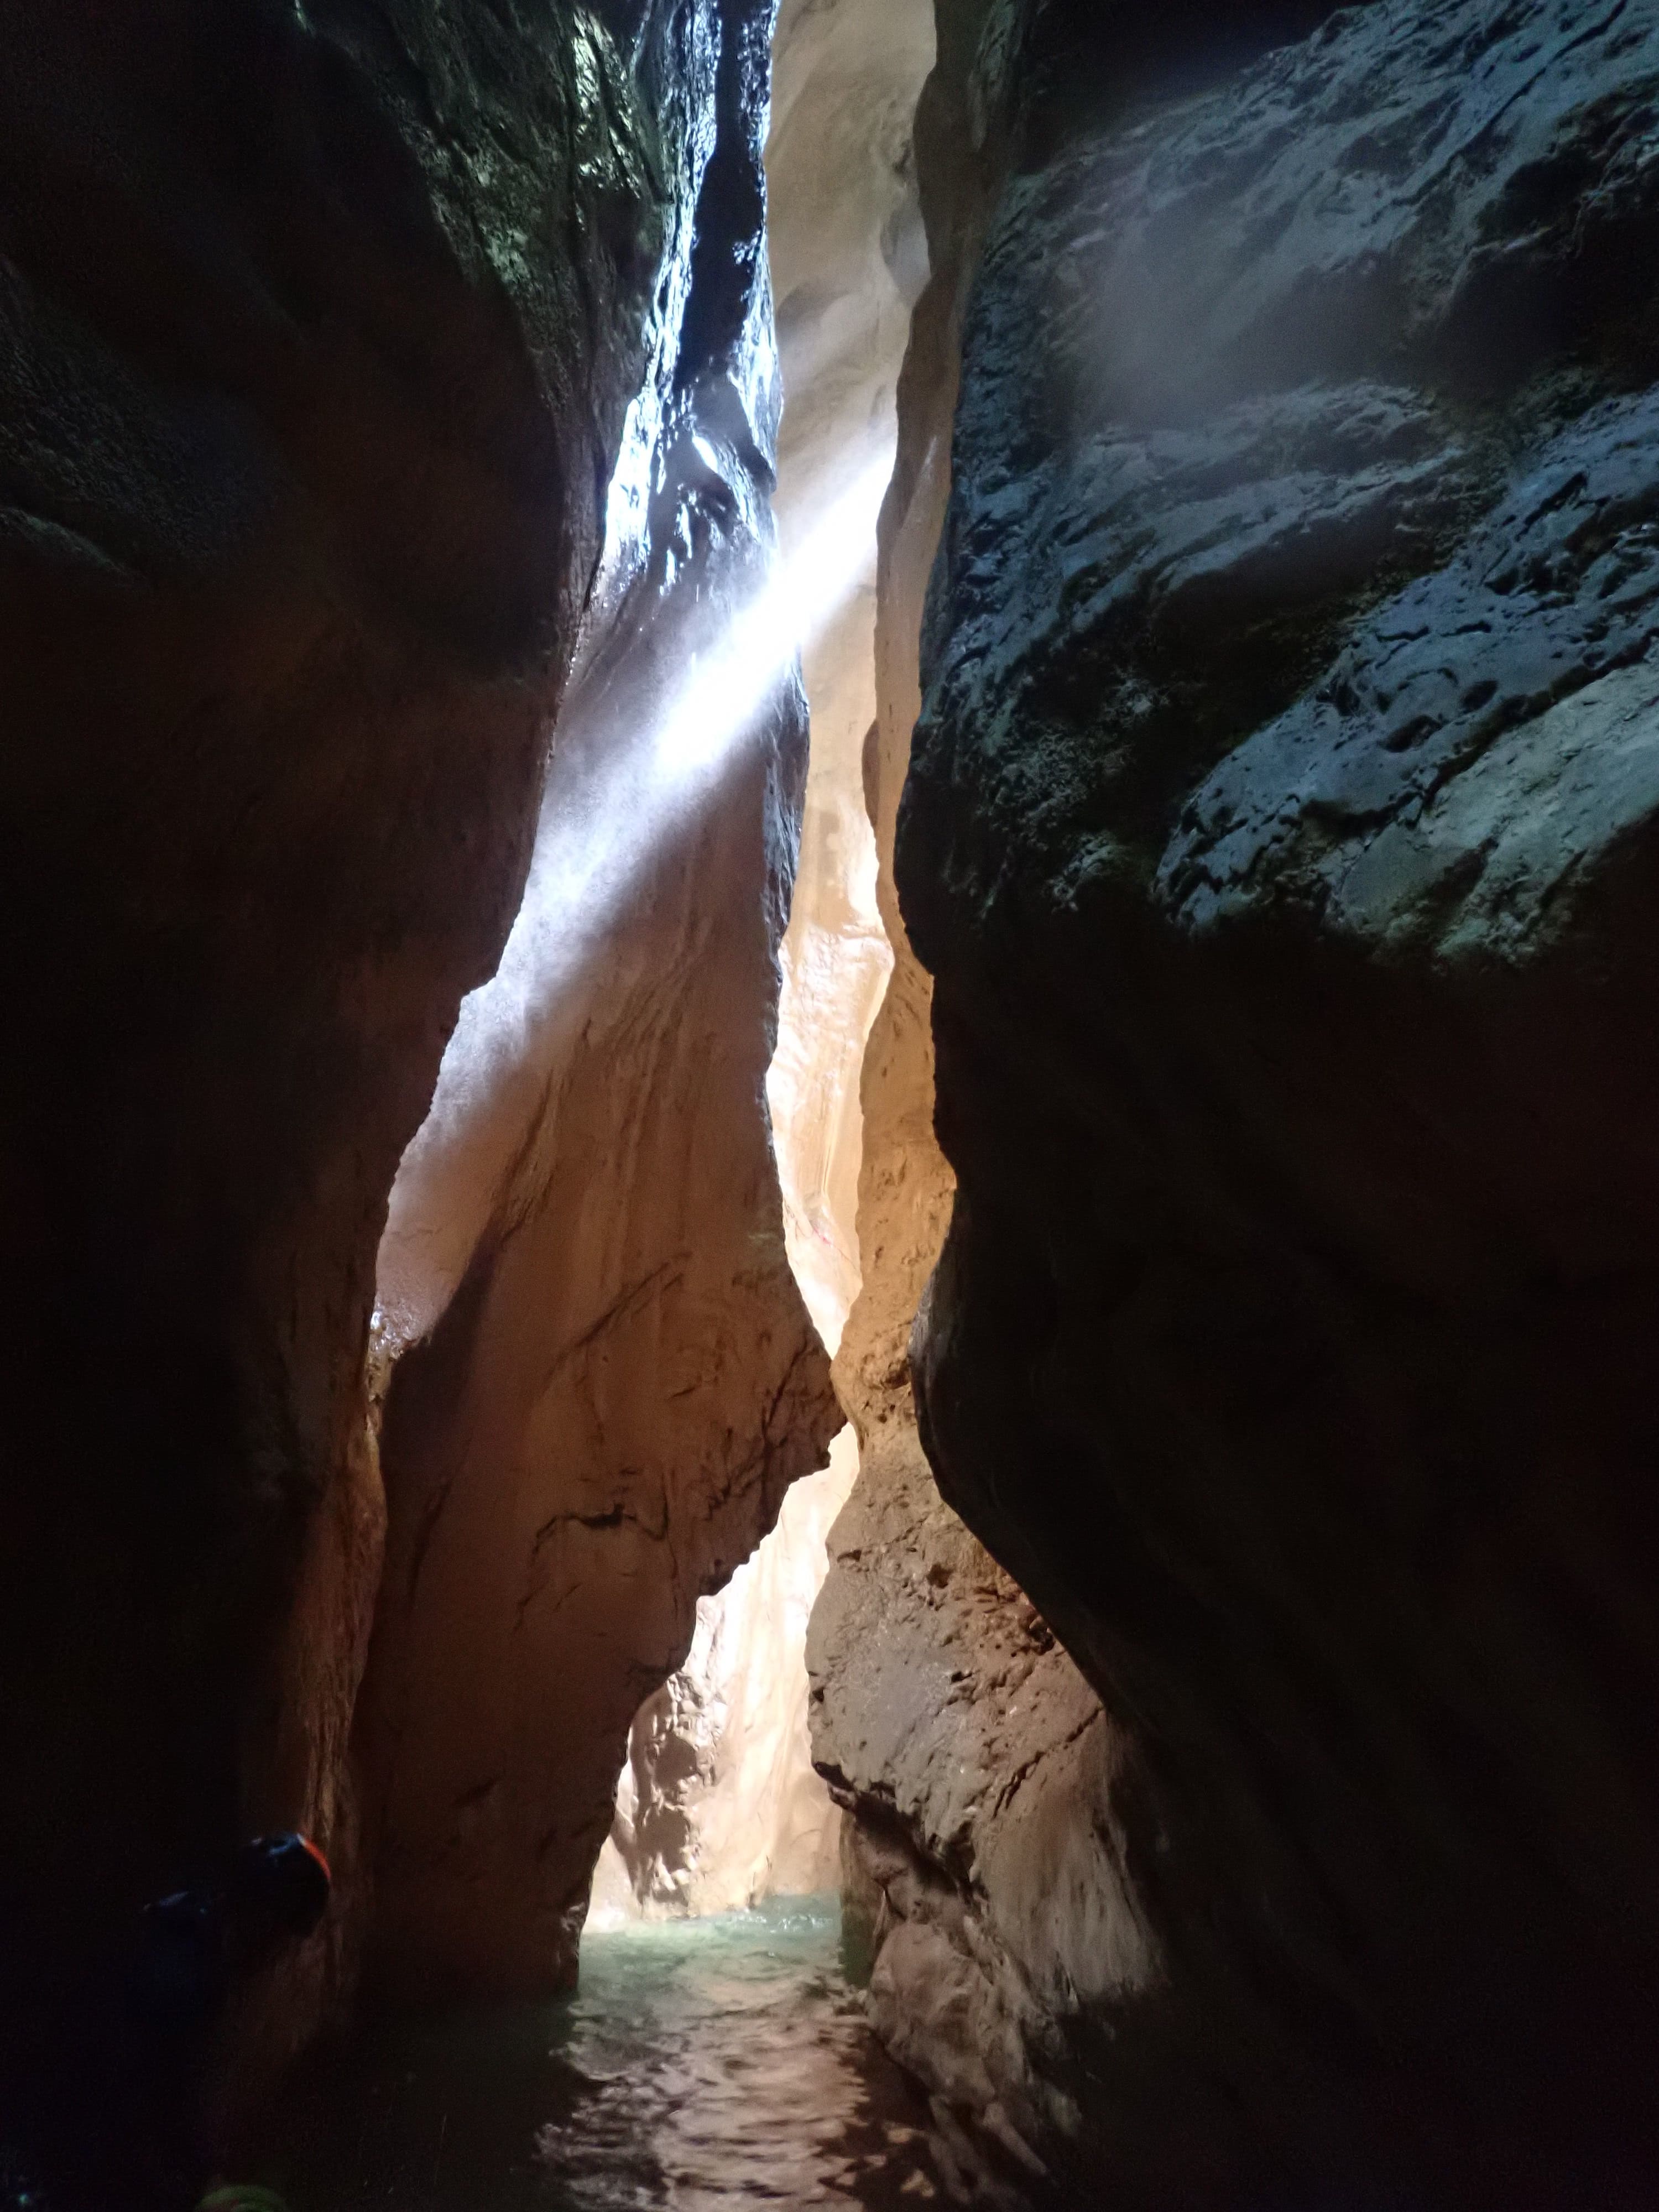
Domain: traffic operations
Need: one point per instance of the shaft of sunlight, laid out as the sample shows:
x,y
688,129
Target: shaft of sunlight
x,y
725,692
607,810
597,841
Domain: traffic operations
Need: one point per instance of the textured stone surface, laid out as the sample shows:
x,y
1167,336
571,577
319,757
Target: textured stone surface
x,y
847,257
1280,835
981,1856
617,1379
316,334
984,1856
720,1800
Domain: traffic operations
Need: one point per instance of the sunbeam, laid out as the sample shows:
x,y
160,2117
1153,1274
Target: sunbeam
x,y
603,821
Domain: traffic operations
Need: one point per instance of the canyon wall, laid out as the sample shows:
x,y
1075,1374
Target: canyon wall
x,y
1279,835
720,1802
615,1379
302,498
321,332
982,1884
847,259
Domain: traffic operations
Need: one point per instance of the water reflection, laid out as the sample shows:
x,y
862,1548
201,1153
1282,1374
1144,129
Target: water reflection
x,y
707,2063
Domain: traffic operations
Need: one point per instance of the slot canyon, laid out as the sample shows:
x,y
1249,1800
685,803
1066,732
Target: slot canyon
x,y
832,1308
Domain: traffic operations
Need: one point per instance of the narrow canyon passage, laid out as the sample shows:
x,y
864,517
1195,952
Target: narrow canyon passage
x,y
830,851
715,2051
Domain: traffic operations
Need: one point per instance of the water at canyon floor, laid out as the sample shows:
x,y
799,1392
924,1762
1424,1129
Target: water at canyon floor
x,y
702,2064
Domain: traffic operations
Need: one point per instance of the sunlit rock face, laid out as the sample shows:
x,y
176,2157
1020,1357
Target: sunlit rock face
x,y
847,259
1280,834
719,1805
615,1379
720,1802
984,1854
316,332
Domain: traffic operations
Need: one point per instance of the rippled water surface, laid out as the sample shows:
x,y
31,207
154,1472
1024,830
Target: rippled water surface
x,y
708,2064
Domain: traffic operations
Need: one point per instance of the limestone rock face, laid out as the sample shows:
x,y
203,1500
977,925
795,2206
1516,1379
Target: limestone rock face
x,y
984,1856
847,259
1280,834
614,1379
719,1802
316,332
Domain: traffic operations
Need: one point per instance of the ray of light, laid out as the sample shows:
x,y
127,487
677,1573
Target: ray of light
x,y
599,832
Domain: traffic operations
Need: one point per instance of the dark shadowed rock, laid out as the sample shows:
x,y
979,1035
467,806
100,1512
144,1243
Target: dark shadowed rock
x,y
318,331
982,1856
1280,834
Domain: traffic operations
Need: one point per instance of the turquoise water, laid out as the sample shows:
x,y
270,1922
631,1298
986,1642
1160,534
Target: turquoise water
x,y
707,2063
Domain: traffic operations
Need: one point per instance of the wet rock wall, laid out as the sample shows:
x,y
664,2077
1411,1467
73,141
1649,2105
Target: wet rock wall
x,y
1277,837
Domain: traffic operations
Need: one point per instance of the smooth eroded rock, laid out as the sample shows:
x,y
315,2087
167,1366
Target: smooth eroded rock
x,y
982,1858
718,1803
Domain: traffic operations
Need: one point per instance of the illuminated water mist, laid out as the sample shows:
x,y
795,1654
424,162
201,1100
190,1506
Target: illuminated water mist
x,y
607,812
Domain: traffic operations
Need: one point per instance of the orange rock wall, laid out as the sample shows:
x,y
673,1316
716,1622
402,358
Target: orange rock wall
x,y
615,1378
720,1801
982,1856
